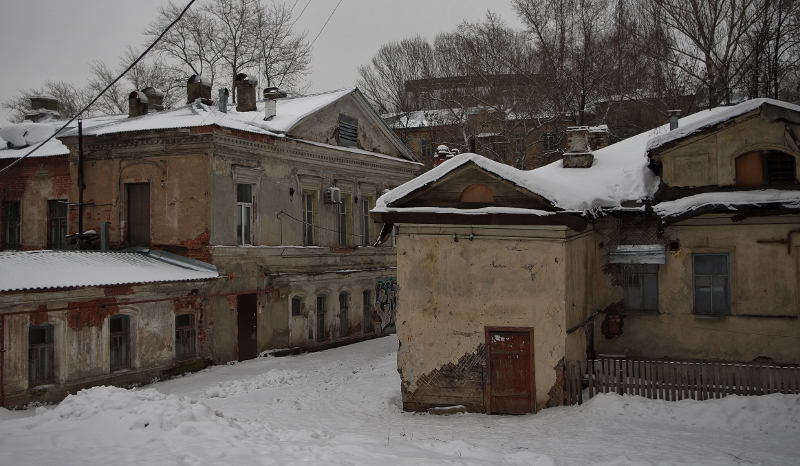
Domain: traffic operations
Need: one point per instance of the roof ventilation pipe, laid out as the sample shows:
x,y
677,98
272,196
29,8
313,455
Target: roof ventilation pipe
x,y
673,119
271,95
223,99
245,88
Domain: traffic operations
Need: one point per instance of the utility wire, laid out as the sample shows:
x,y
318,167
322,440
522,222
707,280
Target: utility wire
x,y
135,62
326,22
301,13
316,226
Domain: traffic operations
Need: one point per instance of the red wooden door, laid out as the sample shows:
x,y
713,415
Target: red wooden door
x,y
509,365
247,322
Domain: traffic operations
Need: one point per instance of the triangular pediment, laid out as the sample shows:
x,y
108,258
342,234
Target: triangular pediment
x,y
488,189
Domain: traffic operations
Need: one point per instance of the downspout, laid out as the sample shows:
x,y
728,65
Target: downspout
x,y
80,181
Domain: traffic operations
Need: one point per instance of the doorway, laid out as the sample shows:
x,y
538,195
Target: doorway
x,y
247,322
139,214
510,385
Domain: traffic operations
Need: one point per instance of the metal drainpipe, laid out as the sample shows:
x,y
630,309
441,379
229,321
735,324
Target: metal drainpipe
x,y
80,182
2,361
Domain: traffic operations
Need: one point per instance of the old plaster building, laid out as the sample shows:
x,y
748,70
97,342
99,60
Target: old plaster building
x,y
272,195
678,245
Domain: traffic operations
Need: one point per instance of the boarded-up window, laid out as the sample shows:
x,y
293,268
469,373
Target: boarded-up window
x,y
322,304
348,131
641,287
57,220
139,214
711,284
40,354
764,168
477,194
119,341
11,230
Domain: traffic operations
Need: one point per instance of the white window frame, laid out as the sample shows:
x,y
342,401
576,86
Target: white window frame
x,y
244,213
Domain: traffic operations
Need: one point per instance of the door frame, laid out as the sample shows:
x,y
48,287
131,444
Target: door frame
x,y
487,378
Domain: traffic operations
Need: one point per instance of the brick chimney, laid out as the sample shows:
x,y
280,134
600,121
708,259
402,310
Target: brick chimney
x,y
42,106
198,87
155,99
137,104
245,87
579,153
598,137
443,153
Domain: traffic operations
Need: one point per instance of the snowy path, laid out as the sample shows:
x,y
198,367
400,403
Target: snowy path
x,y
342,406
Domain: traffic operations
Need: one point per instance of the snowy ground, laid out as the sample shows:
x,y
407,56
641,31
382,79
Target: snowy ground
x,y
342,406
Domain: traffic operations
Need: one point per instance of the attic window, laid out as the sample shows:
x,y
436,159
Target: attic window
x,y
765,168
348,131
477,194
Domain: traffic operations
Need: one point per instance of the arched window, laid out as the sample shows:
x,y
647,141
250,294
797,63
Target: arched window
x,y
322,306
297,306
765,168
477,194
344,309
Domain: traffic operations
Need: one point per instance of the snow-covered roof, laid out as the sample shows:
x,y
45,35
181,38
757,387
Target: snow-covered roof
x,y
28,135
728,200
31,270
618,174
289,112
721,115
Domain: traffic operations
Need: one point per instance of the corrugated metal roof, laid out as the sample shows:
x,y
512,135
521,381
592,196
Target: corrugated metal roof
x,y
637,254
32,270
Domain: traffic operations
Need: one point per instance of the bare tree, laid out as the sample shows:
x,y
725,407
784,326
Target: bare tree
x,y
71,100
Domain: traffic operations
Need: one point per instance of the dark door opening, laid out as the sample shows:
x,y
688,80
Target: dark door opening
x,y
139,214
247,322
510,387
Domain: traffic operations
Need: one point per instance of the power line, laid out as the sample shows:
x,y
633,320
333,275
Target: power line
x,y
326,22
301,13
135,62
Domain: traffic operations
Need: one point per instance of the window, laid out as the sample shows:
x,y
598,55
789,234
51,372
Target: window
x,y
244,213
366,223
308,219
321,306
297,306
426,149
366,319
640,287
40,354
711,284
764,168
185,336
119,331
343,311
139,214
11,212
550,141
343,236
348,131
57,219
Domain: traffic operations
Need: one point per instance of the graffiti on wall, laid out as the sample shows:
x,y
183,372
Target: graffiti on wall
x,y
386,297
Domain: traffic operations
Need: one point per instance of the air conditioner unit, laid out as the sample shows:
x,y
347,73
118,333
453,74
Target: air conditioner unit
x,y
333,196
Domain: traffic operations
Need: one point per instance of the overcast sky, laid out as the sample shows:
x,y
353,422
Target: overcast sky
x,y
57,39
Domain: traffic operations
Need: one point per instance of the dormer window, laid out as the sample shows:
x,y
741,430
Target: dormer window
x,y
348,131
765,168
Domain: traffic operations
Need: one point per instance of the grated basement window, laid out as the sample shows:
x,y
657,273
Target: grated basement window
x,y
348,131
321,306
780,168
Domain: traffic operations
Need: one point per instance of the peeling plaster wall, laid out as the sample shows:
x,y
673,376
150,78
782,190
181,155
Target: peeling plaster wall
x,y
763,289
451,290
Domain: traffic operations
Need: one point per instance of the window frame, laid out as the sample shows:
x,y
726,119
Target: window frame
x,y
35,351
123,339
366,316
244,211
57,224
726,311
640,273
342,217
320,312
186,334
344,311
12,226
301,303
366,222
309,204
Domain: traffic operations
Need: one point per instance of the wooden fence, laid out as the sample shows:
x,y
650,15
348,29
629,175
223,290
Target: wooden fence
x,y
674,380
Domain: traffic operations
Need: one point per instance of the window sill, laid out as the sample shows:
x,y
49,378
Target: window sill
x,y
711,316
